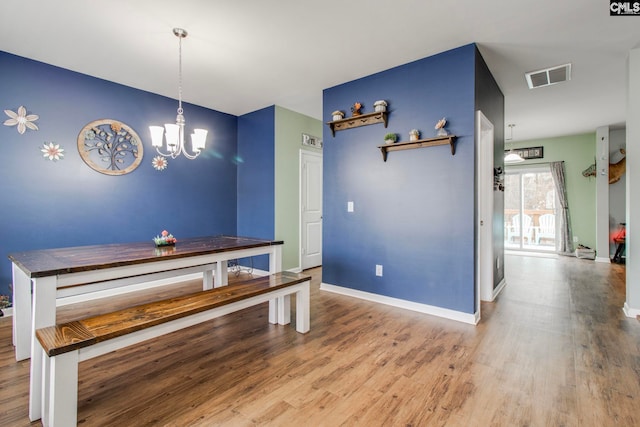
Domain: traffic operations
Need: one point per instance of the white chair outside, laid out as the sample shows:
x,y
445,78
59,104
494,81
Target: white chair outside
x,y
547,228
527,229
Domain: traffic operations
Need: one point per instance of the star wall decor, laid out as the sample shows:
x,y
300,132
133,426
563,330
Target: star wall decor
x,y
52,151
21,119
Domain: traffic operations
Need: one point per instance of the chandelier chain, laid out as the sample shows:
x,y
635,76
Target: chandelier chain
x,y
180,74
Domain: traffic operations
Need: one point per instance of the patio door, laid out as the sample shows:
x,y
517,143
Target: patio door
x,y
530,201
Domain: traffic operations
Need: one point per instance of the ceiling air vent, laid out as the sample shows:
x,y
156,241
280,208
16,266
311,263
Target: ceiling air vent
x,y
549,76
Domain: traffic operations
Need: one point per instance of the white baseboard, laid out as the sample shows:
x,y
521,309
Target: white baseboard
x,y
630,312
499,288
407,305
603,259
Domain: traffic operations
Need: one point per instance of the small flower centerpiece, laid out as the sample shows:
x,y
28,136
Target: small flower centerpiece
x,y
414,135
390,138
4,303
440,127
355,108
166,239
337,115
380,105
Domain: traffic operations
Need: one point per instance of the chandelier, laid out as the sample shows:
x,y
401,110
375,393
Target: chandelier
x,y
512,157
175,132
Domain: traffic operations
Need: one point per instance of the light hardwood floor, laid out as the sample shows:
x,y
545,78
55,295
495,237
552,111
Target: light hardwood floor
x,y
555,349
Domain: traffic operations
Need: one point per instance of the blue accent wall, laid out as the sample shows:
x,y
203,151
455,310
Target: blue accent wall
x,y
414,214
49,204
256,178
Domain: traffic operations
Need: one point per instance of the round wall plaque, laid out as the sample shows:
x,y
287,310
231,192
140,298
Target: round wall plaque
x,y
110,147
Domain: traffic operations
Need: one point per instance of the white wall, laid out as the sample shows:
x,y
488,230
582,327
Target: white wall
x,y
632,304
617,196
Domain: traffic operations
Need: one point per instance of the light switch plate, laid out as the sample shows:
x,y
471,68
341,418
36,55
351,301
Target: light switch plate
x,y
349,206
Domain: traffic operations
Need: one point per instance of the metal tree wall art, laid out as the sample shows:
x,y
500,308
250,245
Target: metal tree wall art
x,y
110,147
21,119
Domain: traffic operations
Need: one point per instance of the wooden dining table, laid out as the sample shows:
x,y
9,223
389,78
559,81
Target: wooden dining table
x,y
42,276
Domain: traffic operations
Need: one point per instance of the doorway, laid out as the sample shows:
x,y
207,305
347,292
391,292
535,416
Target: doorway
x,y
530,214
310,209
485,249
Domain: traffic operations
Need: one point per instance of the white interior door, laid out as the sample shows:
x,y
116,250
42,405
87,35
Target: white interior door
x,y
311,209
484,150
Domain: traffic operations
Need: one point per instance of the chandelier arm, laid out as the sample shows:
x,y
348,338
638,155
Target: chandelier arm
x,y
190,156
172,155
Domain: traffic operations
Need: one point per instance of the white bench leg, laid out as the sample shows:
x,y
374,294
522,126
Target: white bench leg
x,y
303,311
284,310
44,314
62,395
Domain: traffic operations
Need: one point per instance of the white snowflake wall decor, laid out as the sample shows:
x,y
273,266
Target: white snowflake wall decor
x,y
52,151
159,163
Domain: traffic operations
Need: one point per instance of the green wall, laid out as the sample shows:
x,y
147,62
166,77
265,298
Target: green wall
x,y
578,153
288,142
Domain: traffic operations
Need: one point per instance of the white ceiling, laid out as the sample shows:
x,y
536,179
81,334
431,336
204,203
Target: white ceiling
x,y
243,55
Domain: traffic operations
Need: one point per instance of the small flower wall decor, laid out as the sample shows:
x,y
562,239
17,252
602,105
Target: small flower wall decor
x,y
159,163
23,120
52,151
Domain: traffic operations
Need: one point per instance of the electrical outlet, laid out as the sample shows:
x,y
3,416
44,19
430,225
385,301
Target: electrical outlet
x,y
349,206
575,239
378,270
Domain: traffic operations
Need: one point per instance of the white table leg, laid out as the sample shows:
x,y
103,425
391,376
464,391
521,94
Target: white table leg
x,y
44,314
277,306
207,280
21,313
275,259
63,390
273,311
222,276
303,309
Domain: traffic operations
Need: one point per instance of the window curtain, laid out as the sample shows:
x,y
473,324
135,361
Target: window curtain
x,y
566,236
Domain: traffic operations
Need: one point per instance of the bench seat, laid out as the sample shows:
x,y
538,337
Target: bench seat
x,y
65,345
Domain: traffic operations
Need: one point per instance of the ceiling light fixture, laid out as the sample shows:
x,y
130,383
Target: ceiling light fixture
x,y
512,157
175,132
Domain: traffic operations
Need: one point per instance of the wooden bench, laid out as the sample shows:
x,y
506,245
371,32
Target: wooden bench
x,y
65,345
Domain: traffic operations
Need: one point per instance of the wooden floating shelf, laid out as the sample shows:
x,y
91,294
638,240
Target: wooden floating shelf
x,y
357,121
421,143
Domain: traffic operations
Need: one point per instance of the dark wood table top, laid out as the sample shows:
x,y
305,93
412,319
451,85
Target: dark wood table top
x,y
50,262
